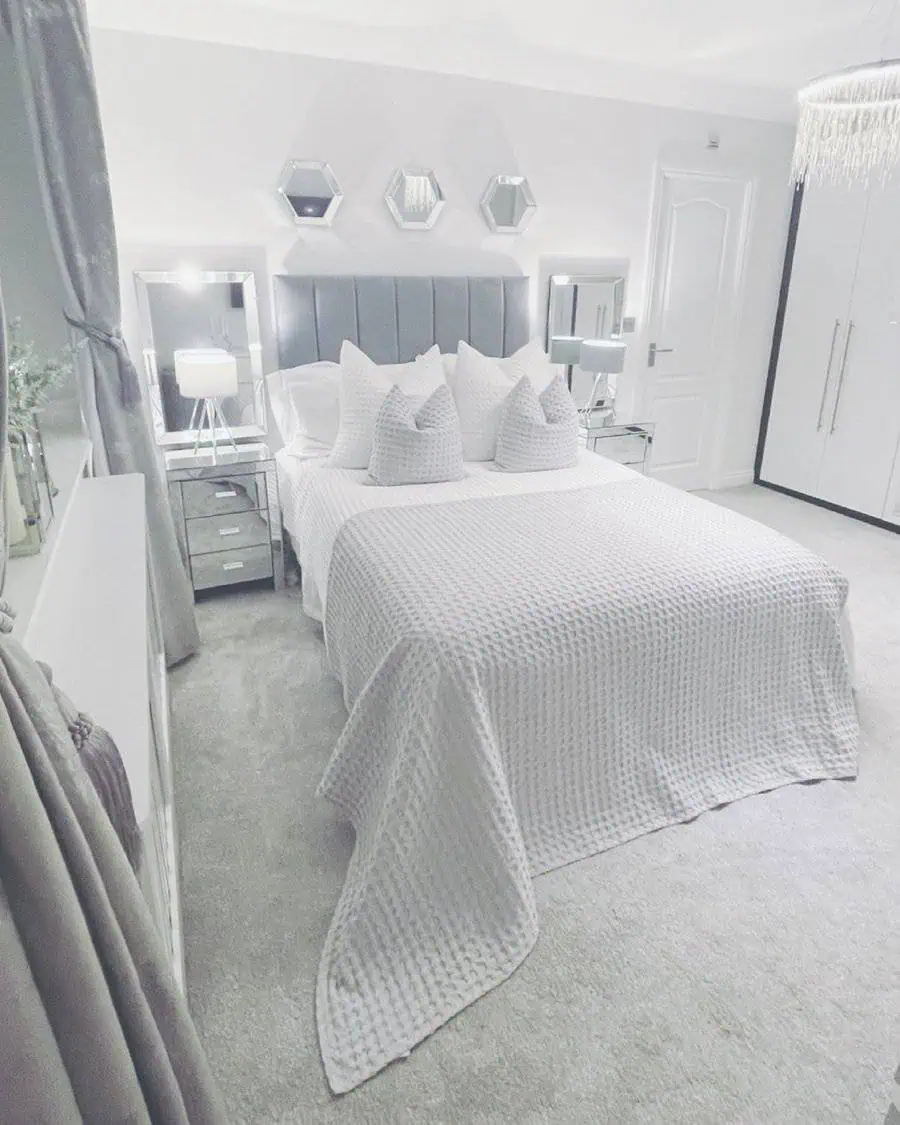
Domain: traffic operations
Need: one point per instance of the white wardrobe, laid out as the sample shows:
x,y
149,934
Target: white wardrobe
x,y
833,427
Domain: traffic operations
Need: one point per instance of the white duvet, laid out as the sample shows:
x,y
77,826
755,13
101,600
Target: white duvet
x,y
538,668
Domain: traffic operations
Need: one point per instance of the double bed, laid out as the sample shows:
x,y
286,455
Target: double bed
x,y
536,667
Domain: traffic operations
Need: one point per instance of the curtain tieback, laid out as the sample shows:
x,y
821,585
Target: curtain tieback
x,y
128,382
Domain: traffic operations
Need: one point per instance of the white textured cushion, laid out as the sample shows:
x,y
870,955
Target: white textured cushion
x,y
538,432
364,387
416,448
480,386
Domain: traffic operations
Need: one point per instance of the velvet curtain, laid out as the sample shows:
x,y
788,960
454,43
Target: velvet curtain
x,y
50,38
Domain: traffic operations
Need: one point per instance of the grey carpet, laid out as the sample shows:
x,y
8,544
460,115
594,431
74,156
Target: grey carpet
x,y
743,969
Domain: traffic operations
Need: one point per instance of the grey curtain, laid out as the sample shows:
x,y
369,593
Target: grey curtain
x,y
93,1027
3,425
50,38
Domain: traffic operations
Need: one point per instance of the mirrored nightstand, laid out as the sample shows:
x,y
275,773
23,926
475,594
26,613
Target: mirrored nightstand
x,y
227,515
627,444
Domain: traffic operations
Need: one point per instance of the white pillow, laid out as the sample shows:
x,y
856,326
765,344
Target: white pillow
x,y
313,392
480,385
364,385
304,402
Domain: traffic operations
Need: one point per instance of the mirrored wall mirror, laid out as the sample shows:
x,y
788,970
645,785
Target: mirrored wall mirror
x,y
202,312
310,192
508,205
414,198
586,307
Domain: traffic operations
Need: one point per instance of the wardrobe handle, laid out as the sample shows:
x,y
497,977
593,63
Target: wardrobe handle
x,y
840,387
834,336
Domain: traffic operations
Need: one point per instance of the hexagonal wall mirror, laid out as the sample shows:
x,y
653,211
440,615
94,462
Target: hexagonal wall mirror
x,y
508,205
414,198
310,192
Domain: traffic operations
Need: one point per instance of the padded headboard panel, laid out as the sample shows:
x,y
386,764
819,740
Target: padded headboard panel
x,y
394,319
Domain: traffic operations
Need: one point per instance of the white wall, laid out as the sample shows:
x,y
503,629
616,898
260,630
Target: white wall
x,y
197,134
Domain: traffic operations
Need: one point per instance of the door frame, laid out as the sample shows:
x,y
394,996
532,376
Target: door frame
x,y
722,397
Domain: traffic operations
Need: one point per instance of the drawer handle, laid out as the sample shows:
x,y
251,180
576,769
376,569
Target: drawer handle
x,y
233,566
229,493
229,531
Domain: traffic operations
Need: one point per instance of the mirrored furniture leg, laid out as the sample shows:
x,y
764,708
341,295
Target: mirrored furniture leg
x,y
227,515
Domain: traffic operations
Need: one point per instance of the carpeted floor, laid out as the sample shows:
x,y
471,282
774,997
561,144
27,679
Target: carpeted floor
x,y
743,969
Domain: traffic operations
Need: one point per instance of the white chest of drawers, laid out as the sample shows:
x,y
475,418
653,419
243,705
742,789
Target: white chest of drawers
x,y
228,515
94,624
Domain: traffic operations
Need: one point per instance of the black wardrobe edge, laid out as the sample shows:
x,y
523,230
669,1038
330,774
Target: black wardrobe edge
x,y
778,331
874,521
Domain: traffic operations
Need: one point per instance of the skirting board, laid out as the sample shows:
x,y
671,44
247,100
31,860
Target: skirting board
x,y
735,480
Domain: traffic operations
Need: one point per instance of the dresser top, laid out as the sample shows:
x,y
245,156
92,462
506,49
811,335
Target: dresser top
x,y
90,620
183,464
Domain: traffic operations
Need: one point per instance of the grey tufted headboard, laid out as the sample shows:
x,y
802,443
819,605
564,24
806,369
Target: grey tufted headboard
x,y
393,319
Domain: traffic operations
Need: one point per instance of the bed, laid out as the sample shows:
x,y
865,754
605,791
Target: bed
x,y
537,667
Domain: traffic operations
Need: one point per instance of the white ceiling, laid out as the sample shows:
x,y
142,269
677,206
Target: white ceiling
x,y
738,56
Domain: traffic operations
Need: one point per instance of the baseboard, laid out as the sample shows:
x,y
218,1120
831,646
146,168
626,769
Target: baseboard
x,y
736,480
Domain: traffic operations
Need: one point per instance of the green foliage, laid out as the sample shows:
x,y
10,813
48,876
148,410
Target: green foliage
x,y
31,377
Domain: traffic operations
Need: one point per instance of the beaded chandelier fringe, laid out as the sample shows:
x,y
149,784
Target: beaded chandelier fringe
x,y
849,127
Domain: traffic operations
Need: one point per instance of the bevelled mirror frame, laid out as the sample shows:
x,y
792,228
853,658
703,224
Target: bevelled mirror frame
x,y
243,285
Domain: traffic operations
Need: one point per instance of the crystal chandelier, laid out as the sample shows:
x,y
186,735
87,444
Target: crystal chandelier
x,y
849,126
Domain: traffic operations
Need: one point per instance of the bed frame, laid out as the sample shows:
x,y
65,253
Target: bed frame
x,y
394,319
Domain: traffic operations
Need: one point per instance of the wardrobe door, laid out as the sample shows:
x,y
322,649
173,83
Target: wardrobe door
x,y
815,328
863,419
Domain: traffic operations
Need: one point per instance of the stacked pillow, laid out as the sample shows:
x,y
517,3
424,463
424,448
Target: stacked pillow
x,y
304,402
363,388
417,422
481,386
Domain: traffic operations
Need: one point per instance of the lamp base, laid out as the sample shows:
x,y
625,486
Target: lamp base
x,y
208,411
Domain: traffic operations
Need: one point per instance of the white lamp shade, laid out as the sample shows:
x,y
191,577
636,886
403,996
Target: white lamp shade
x,y
565,349
607,356
206,372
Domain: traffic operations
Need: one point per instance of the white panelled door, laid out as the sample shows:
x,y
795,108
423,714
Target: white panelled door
x,y
695,288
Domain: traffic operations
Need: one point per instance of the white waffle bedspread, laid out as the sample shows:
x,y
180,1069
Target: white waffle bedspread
x,y
532,678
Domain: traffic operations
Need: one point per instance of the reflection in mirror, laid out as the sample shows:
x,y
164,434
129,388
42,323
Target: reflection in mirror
x,y
585,307
182,309
310,192
414,198
508,205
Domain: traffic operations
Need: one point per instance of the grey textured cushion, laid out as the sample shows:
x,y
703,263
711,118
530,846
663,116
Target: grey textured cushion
x,y
416,448
537,433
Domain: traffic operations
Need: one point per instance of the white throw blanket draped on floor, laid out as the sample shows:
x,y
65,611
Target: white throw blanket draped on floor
x,y
533,679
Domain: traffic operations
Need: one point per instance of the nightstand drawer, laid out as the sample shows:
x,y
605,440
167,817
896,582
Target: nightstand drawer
x,y
211,497
627,449
224,568
227,533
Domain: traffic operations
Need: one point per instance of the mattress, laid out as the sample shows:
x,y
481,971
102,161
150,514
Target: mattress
x,y
538,667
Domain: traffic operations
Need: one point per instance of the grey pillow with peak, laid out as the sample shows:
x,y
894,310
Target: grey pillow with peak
x,y
416,447
537,432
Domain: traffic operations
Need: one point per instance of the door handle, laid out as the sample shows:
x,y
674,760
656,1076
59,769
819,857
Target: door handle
x,y
840,386
654,352
834,336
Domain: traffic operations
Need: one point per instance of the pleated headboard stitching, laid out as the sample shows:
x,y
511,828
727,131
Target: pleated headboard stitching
x,y
394,319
